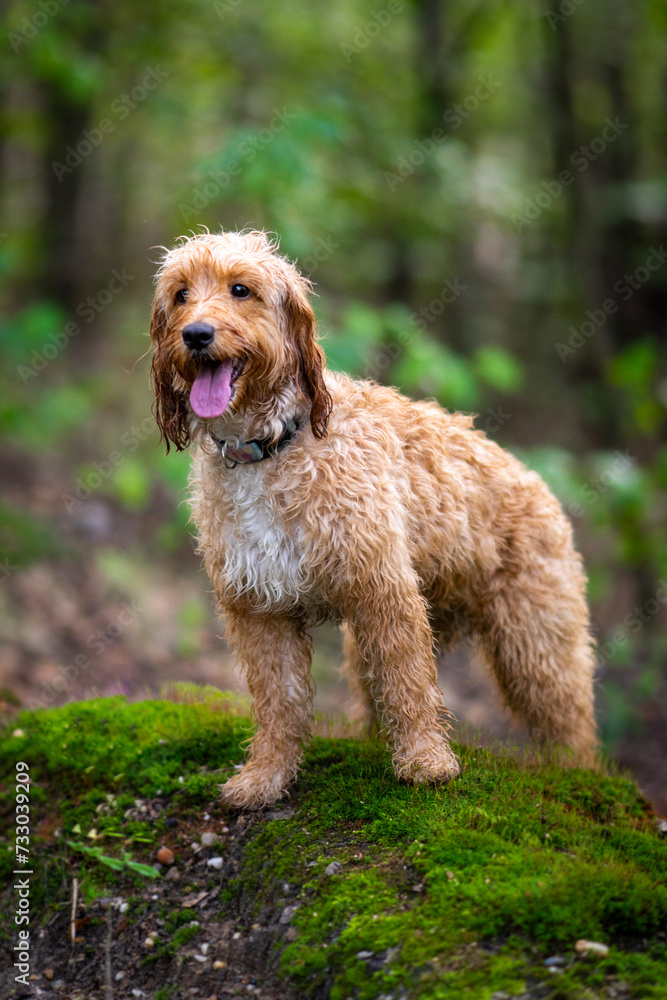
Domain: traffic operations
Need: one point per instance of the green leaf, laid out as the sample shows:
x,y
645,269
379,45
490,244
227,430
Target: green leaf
x,y
498,368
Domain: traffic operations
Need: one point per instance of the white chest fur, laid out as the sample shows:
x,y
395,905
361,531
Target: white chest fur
x,y
262,553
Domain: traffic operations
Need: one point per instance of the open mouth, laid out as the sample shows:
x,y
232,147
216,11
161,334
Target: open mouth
x,y
213,387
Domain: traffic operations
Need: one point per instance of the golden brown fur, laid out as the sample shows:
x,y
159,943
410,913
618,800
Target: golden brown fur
x,y
393,517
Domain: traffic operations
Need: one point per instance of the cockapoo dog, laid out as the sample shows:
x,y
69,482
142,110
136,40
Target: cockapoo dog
x,y
318,496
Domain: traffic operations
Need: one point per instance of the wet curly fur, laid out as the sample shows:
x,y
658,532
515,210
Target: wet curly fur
x,y
393,517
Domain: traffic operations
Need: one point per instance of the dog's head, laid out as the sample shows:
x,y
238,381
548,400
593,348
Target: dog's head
x,y
231,325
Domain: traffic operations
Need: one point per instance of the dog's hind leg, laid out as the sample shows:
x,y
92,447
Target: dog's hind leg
x,y
361,707
394,645
275,654
537,641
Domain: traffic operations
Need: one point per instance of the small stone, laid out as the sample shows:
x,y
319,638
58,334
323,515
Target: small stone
x,y
584,947
124,907
138,993
214,863
418,887
203,949
149,943
173,875
449,875
18,733
49,974
555,961
200,958
208,839
334,868
363,955
291,934
218,964
119,976
287,914
661,826
165,856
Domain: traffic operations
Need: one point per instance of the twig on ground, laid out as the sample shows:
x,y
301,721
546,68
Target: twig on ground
x,y
75,896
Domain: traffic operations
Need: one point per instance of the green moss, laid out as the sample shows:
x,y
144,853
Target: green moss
x,y
542,855
446,892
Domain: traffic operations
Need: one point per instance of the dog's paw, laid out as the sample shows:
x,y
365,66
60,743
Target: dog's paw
x,y
255,787
427,762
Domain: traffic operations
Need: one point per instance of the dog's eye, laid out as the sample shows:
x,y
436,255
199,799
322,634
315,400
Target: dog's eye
x,y
181,295
240,291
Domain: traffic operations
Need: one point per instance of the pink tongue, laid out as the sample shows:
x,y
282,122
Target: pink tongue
x,y
212,389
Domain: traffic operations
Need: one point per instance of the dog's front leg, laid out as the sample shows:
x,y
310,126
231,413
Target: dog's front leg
x,y
275,654
393,639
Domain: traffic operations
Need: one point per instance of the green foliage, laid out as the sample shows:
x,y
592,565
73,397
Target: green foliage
x,y
117,864
25,538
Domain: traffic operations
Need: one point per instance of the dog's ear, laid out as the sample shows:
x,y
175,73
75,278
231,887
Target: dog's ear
x,y
310,358
169,407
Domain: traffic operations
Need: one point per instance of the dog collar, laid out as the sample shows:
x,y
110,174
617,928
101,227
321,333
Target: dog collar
x,y
256,450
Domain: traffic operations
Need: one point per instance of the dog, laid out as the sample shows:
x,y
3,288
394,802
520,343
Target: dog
x,y
317,496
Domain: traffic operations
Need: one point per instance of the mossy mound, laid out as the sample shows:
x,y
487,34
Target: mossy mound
x,y
459,891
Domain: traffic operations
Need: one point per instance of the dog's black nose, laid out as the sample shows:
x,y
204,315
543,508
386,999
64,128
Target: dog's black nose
x,y
198,335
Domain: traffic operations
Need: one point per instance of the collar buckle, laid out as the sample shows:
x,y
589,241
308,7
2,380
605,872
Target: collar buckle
x,y
256,450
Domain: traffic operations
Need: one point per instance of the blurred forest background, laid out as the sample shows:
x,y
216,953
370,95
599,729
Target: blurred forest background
x,y
479,192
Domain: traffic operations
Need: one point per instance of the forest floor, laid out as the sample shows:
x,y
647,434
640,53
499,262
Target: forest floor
x,y
354,886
